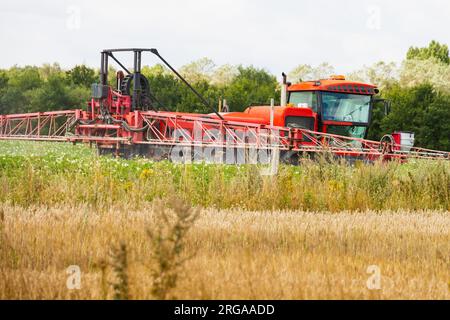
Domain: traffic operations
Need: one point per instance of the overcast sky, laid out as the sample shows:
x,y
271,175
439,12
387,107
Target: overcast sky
x,y
276,35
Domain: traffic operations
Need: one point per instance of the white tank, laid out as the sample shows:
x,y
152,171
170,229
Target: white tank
x,y
405,139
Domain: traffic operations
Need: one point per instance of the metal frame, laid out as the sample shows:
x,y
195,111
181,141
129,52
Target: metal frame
x,y
211,132
137,71
38,125
158,128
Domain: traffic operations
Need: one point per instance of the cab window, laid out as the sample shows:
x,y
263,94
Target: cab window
x,y
348,131
345,107
309,98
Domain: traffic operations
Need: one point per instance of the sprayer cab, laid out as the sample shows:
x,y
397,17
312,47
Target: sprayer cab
x,y
342,107
333,105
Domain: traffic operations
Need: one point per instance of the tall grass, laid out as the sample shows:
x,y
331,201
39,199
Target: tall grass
x,y
167,234
119,263
54,174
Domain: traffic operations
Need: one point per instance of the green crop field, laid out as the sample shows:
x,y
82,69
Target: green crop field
x,y
52,173
142,229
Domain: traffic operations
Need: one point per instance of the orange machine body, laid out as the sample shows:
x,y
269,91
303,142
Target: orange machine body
x,y
304,116
333,85
261,115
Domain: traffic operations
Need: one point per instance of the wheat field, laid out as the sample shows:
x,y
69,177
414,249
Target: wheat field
x,y
134,229
238,254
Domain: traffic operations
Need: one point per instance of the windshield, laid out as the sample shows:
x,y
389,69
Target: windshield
x,y
348,131
345,107
304,97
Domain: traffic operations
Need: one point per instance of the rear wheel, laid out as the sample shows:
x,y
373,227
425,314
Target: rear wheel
x,y
126,88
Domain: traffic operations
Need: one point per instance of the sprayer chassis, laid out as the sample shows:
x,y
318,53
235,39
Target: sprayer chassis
x,y
159,135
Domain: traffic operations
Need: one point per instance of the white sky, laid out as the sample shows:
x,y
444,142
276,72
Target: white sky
x,y
276,35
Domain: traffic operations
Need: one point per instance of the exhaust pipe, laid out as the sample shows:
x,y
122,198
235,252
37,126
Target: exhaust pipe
x,y
272,111
284,86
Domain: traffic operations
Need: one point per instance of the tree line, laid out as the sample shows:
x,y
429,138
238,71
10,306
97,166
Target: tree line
x,y
419,89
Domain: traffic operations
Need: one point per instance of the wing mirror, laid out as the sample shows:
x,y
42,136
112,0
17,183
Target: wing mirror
x,y
386,104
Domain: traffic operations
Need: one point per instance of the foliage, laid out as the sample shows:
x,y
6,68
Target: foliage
x,y
224,75
381,74
415,72
435,50
167,236
419,91
52,173
31,89
198,71
421,110
82,76
305,72
119,264
252,86
249,86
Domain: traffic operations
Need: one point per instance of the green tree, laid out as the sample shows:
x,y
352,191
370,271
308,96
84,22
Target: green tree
x,y
224,75
199,70
3,79
54,94
14,97
421,110
305,72
157,69
434,50
176,96
381,74
417,72
82,76
189,102
3,89
436,123
25,78
47,70
251,86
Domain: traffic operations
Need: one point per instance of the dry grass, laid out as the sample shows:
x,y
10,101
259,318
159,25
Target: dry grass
x,y
240,254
